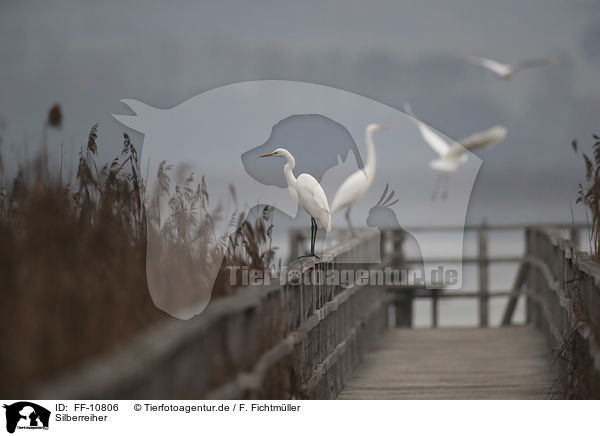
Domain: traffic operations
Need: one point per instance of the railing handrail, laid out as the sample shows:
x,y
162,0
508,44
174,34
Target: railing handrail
x,y
496,227
284,316
482,259
563,290
472,227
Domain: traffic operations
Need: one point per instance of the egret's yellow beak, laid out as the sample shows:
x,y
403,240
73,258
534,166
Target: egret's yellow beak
x,y
265,155
384,128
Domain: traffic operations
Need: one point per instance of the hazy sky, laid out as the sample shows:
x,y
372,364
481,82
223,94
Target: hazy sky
x,y
88,55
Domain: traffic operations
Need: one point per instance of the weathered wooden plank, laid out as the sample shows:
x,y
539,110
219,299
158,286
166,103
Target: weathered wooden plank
x,y
482,243
512,362
516,293
466,259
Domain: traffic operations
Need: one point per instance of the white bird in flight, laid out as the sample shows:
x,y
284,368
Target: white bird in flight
x,y
307,191
453,154
357,184
505,71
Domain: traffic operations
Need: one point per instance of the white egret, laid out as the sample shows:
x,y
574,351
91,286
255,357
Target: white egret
x,y
307,191
453,154
505,71
357,184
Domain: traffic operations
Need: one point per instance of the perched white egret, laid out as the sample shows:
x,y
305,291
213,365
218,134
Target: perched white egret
x,y
453,154
505,71
308,192
357,184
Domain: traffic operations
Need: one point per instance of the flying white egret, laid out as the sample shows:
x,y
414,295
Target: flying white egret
x,y
357,184
307,191
505,71
453,154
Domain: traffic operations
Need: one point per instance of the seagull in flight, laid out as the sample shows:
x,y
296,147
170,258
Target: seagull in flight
x,y
505,71
453,154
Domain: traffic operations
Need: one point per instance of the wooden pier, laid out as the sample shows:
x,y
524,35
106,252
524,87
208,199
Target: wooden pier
x,y
455,363
294,339
537,360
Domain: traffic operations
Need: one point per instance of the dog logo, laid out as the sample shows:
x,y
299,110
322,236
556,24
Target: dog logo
x,y
26,415
204,175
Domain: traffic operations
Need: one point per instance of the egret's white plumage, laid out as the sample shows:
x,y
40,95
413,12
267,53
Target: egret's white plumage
x,y
452,154
505,71
313,200
307,191
357,184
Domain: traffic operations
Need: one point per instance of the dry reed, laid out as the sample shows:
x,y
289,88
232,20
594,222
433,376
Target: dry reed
x,y
72,258
589,194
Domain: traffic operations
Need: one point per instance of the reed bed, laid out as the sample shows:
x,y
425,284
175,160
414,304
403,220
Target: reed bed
x,y
589,193
73,257
577,378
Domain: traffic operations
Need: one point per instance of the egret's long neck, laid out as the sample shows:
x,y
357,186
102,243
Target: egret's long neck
x,y
371,160
288,173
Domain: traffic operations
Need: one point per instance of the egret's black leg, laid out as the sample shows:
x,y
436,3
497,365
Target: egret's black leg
x,y
312,236
314,239
347,215
446,183
438,183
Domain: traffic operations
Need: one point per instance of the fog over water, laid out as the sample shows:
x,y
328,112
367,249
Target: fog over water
x,y
88,55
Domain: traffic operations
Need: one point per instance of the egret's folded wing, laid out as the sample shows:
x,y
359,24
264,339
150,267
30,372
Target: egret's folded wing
x,y
320,198
322,206
349,191
311,194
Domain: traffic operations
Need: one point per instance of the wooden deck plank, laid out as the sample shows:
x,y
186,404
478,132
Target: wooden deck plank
x,y
461,363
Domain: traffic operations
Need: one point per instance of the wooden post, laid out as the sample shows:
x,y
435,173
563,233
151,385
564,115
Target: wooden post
x,y
529,280
575,237
294,240
383,237
397,243
520,279
403,298
434,307
403,302
483,274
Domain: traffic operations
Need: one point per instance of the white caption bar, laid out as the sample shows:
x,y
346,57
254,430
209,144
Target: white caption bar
x,y
297,417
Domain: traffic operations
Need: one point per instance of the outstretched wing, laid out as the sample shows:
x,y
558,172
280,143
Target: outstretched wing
x,y
490,64
434,140
486,138
530,63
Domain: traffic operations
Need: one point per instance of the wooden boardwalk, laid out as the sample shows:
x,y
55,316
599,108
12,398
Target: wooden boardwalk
x,y
460,363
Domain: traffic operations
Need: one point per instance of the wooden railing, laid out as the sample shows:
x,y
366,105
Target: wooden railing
x,y
483,260
562,289
404,296
286,340
292,340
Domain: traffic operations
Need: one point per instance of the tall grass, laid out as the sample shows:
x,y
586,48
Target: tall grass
x,y
589,193
72,257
